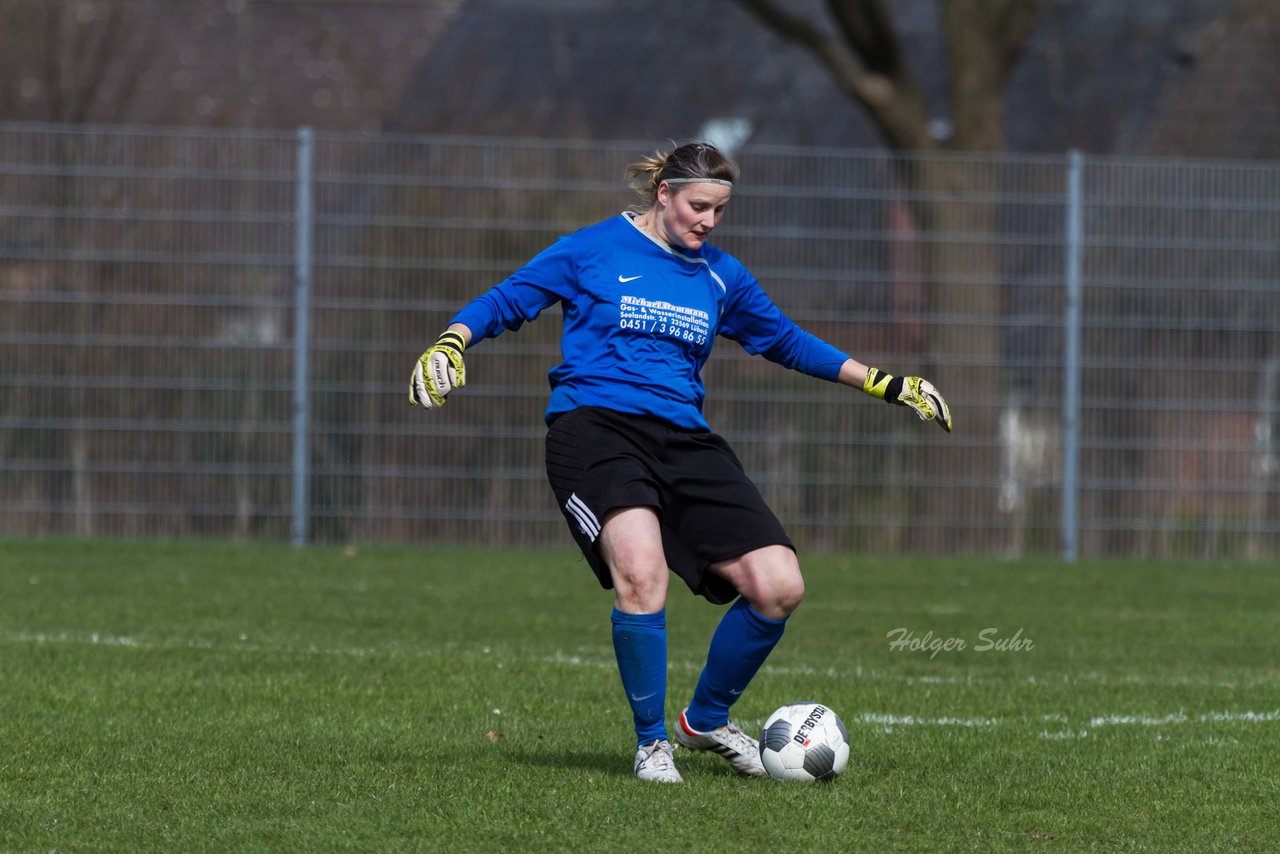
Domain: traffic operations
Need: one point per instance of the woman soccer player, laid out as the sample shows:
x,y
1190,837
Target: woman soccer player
x,y
644,485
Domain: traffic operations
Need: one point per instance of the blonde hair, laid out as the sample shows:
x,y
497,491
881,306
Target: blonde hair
x,y
689,162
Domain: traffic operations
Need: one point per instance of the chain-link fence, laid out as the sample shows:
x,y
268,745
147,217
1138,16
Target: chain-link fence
x,y
210,334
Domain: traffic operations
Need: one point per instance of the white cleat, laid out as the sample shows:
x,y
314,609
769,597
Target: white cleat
x,y
655,762
741,750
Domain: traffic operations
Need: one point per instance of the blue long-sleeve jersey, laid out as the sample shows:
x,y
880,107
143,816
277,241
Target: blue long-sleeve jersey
x,y
640,318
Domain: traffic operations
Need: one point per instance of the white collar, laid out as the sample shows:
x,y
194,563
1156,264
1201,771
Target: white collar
x,y
630,216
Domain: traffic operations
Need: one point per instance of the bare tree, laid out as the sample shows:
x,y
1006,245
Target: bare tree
x,y
865,56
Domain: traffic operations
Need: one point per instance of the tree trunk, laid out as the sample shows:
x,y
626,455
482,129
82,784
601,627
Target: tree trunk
x,y
964,299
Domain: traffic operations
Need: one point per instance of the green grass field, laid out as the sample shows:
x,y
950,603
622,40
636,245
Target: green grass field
x,y
198,697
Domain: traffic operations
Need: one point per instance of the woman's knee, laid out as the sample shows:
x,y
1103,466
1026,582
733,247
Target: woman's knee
x,y
785,590
640,585
631,546
769,579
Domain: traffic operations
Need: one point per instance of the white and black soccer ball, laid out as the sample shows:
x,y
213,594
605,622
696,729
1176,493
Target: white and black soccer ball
x,y
803,742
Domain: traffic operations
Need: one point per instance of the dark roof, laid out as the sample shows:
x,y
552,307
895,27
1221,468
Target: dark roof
x,y
1094,71
618,69
271,64
1091,77
1169,77
1224,99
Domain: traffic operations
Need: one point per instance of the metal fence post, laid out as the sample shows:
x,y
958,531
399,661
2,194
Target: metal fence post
x,y
302,340
1071,321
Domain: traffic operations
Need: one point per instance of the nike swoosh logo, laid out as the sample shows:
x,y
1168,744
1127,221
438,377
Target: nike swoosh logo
x,y
636,699
629,279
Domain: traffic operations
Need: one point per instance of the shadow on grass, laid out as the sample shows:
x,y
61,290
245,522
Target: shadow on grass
x,y
613,762
617,763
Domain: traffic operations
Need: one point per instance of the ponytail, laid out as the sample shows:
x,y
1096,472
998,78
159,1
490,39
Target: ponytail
x,y
695,161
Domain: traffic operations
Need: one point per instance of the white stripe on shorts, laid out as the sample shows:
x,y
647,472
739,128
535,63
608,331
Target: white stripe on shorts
x,y
586,519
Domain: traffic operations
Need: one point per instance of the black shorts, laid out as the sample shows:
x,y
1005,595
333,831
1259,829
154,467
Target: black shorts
x,y
709,510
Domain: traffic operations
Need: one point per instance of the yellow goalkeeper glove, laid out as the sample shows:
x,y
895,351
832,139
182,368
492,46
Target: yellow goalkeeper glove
x,y
915,392
439,371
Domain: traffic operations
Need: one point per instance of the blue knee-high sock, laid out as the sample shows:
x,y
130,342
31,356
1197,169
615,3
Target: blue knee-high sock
x,y
640,644
741,643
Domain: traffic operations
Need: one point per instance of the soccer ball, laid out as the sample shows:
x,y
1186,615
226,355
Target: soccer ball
x,y
803,742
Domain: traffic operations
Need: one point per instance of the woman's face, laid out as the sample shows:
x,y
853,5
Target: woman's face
x,y
688,213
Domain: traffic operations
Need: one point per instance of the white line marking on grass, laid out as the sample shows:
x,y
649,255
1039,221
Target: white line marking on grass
x,y
602,658
596,657
1246,717
1180,717
1138,720
575,661
890,721
92,638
